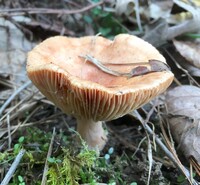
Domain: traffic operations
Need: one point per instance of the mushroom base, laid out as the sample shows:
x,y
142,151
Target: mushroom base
x,y
92,133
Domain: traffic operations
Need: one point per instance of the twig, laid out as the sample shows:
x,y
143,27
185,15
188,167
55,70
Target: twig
x,y
9,134
136,149
25,107
181,68
140,69
104,68
13,96
164,148
172,149
13,168
162,32
137,14
5,82
150,159
24,11
14,107
187,26
46,167
4,130
20,124
149,153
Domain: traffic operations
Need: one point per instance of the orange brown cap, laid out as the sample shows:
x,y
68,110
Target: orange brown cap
x,y
80,88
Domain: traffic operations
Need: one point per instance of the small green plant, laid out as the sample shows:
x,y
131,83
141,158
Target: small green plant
x,y
36,143
21,180
104,22
181,179
18,146
71,166
133,183
108,154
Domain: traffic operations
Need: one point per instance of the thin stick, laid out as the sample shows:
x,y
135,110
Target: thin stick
x,y
24,11
104,68
4,130
164,148
188,25
26,107
155,66
13,96
14,107
137,14
13,168
138,147
181,68
46,167
172,149
134,148
9,134
149,153
20,124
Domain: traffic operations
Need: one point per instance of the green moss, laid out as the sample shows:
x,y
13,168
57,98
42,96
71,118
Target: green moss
x,y
73,168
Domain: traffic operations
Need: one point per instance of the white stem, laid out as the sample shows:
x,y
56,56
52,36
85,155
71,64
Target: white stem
x,y
92,133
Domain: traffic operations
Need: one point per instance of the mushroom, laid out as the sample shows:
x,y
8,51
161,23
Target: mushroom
x,y
58,67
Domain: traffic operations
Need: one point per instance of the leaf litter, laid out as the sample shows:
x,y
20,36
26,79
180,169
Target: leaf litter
x,y
32,116
183,104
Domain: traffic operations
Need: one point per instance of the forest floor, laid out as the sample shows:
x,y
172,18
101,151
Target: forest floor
x,y
31,126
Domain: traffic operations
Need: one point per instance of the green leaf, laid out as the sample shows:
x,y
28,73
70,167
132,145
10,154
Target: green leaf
x,y
96,11
21,139
105,31
95,1
181,178
112,183
17,147
20,178
111,150
30,156
133,183
58,161
193,35
51,160
107,156
87,19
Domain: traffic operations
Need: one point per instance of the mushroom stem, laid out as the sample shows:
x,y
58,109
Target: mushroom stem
x,y
92,133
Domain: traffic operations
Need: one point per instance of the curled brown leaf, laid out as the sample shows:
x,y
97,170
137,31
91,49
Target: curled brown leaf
x,y
183,104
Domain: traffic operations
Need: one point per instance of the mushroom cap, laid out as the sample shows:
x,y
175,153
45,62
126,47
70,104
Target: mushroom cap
x,y
81,89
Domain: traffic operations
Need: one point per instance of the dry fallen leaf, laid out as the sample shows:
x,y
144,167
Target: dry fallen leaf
x,y
124,7
192,70
160,9
189,50
13,50
183,103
